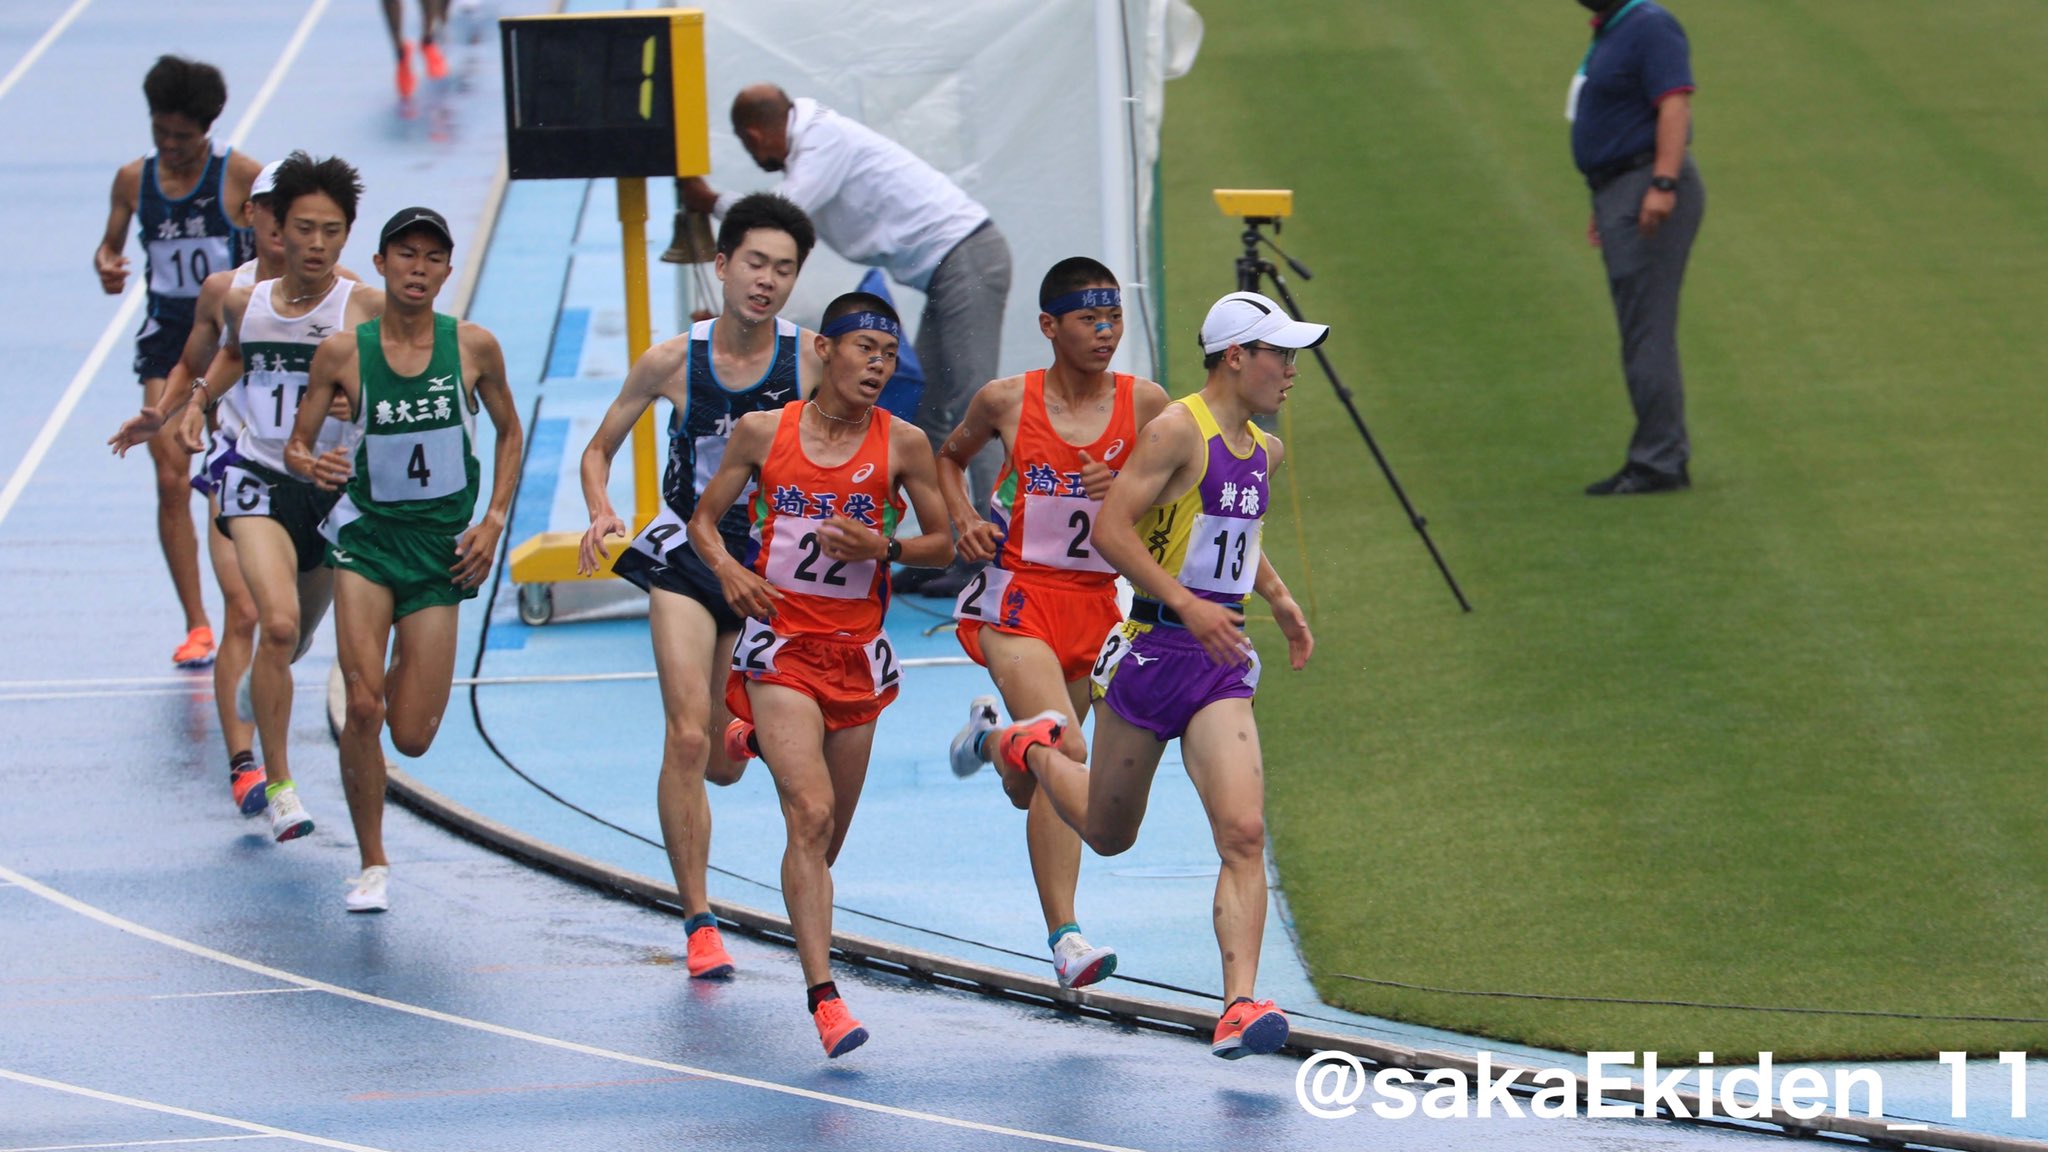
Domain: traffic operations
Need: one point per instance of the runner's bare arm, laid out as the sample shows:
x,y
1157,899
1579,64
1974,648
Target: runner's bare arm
x,y
478,545
658,372
1273,590
1162,468
745,451
330,382
910,455
107,260
989,411
242,171
221,375
809,369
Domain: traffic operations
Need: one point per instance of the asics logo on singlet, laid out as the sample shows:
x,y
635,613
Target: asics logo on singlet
x,y
440,383
1114,451
866,470
318,331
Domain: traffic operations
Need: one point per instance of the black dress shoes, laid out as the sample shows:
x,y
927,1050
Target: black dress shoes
x,y
1636,480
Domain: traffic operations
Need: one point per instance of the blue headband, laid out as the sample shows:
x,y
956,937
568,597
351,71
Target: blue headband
x,y
856,321
1085,298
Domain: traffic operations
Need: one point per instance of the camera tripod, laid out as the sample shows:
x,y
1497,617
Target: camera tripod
x,y
1253,269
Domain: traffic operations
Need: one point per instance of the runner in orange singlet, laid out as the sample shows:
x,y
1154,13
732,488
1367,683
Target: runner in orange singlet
x,y
812,668
1037,614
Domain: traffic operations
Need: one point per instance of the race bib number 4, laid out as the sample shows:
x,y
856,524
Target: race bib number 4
x,y
407,466
797,563
1059,532
755,651
663,535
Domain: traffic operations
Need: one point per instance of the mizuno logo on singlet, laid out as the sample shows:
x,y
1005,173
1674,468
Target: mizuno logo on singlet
x,y
1142,659
776,393
202,202
866,470
440,383
1259,476
318,331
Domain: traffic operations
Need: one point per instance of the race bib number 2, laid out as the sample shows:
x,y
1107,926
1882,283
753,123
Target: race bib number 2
x,y
982,599
882,664
1059,532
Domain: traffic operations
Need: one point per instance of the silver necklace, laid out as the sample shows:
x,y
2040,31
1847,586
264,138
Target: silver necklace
x,y
324,290
862,419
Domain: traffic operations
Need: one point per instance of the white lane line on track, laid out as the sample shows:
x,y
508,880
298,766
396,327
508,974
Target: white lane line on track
x,y
196,690
237,992
90,912
131,303
189,1114
137,1143
41,46
179,685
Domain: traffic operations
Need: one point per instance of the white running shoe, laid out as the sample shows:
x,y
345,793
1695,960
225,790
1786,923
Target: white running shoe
x,y
245,703
288,818
1079,964
366,892
982,718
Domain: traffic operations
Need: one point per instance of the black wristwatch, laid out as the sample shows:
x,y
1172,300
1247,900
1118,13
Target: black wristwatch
x,y
1664,183
895,549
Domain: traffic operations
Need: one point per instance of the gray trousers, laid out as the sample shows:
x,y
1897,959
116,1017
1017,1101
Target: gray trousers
x,y
959,342
1644,276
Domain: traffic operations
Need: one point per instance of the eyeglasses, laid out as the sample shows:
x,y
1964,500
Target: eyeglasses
x,y
1286,355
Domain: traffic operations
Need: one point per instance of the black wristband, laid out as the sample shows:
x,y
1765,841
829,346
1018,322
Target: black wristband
x,y
895,549
1664,183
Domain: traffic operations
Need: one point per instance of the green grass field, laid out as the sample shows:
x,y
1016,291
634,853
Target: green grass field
x,y
1777,741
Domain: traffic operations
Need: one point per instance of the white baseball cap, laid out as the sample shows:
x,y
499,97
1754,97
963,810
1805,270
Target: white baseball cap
x,y
1243,318
266,180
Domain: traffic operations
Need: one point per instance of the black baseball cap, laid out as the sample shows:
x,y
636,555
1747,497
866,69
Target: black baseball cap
x,y
410,219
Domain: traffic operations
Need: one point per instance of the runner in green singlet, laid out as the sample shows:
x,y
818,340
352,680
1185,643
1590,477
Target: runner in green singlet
x,y
405,553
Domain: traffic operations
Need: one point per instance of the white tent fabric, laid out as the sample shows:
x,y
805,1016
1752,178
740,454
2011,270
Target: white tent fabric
x,y
1046,111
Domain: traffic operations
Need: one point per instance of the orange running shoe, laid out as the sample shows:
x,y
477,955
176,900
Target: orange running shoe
x,y
708,959
197,650
1013,742
838,1029
437,65
1249,1028
247,784
406,81
739,741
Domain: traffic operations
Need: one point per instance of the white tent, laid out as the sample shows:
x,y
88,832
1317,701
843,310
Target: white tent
x,y
1046,111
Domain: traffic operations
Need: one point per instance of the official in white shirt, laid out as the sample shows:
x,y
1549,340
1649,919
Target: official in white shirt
x,y
874,202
